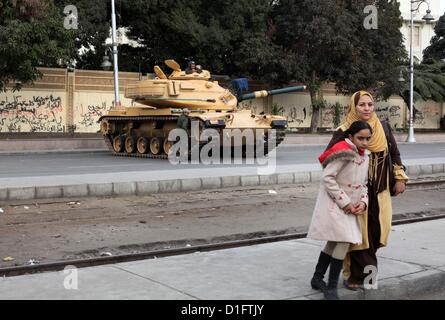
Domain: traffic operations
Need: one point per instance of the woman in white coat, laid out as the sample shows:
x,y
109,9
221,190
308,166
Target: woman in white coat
x,y
342,196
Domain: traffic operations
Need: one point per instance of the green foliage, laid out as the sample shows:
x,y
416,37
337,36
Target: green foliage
x,y
277,109
316,33
376,54
318,104
94,24
226,37
436,50
330,44
429,82
31,35
337,113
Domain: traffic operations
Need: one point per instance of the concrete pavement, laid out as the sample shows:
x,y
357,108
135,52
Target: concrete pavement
x,y
148,182
413,264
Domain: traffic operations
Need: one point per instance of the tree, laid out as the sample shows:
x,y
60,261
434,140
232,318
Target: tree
x,y
436,50
331,44
31,35
229,37
94,25
377,53
317,33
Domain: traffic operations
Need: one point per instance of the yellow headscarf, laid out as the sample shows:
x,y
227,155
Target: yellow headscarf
x,y
378,140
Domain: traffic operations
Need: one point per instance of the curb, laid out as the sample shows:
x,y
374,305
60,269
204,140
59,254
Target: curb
x,y
142,188
403,287
49,151
408,286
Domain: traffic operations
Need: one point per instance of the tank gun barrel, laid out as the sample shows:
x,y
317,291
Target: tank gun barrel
x,y
265,93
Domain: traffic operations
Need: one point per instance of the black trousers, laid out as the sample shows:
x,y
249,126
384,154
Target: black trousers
x,y
368,257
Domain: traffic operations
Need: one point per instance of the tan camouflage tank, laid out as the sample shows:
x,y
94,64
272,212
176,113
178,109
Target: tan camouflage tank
x,y
142,130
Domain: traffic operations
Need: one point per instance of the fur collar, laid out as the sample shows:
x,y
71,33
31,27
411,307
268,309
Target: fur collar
x,y
344,150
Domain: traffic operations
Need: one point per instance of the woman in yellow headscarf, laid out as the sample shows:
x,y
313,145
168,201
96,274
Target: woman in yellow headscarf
x,y
384,164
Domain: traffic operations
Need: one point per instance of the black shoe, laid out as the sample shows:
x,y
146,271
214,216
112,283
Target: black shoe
x,y
331,294
317,282
334,274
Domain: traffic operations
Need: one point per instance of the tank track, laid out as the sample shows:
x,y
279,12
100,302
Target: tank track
x,y
280,133
109,143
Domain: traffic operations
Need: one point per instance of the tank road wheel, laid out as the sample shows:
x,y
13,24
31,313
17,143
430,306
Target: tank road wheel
x,y
118,143
104,127
143,145
107,128
130,144
156,145
167,146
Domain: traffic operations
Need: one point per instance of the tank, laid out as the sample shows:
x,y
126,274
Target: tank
x,y
142,129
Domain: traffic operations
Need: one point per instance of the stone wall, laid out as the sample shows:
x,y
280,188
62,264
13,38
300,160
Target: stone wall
x,y
297,108
62,101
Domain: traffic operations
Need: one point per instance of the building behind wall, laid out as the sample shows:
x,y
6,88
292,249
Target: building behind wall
x,y
423,31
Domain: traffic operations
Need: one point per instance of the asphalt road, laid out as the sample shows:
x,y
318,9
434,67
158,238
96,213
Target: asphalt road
x,y
57,229
32,164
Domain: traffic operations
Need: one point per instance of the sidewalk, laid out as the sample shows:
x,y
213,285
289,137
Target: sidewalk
x,y
414,263
421,137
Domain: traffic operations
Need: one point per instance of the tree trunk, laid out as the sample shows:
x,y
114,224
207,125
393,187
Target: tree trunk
x,y
316,93
315,111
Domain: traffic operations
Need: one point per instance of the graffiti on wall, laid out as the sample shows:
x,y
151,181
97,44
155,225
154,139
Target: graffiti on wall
x,y
428,115
395,111
327,118
392,114
92,113
36,114
382,112
297,116
418,117
328,115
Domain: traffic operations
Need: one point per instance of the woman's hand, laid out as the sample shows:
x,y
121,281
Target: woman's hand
x,y
350,209
360,208
399,187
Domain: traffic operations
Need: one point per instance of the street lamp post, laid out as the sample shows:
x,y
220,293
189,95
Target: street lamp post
x,y
117,102
427,17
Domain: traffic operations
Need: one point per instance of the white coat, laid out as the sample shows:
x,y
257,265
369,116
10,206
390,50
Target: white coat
x,y
344,181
